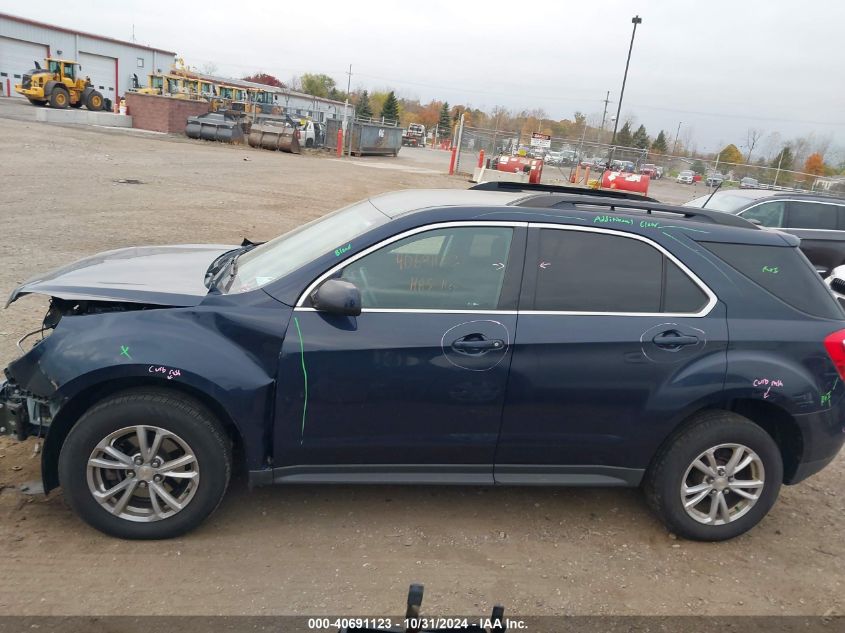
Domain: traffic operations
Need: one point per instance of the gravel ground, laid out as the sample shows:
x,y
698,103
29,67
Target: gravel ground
x,y
335,549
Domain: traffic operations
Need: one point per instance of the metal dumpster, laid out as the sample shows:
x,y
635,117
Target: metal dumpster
x,y
367,138
219,126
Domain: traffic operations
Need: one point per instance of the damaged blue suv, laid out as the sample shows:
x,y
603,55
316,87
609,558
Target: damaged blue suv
x,y
508,335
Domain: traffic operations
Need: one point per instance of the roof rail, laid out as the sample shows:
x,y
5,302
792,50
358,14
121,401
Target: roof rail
x,y
503,185
603,206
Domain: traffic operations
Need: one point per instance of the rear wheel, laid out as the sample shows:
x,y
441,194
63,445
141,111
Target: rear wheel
x,y
716,478
94,101
145,464
59,98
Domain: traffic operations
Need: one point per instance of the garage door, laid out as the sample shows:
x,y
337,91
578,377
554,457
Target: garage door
x,y
101,70
16,58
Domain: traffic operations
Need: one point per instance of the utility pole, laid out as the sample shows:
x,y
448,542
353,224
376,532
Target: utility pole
x,y
675,145
603,116
635,21
346,127
777,173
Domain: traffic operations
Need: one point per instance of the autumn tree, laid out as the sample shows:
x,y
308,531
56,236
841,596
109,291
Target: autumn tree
x,y
444,124
390,109
640,138
264,78
814,164
363,108
783,159
659,145
624,138
730,154
317,85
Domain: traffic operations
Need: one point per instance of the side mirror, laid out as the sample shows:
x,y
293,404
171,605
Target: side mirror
x,y
336,296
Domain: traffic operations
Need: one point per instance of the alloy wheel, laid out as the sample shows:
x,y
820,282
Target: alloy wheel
x,y
143,473
722,484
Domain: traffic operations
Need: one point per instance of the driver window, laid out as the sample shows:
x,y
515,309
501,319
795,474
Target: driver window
x,y
767,214
460,268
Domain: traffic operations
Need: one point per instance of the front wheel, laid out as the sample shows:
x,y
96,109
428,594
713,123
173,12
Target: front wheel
x,y
716,478
145,464
94,101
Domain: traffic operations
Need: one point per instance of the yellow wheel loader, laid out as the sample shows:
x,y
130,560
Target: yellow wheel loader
x,y
60,85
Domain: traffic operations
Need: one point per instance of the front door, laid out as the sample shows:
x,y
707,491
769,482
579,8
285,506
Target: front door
x,y
413,388
616,340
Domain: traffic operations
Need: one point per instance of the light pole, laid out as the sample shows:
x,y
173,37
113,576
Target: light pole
x,y
677,133
635,21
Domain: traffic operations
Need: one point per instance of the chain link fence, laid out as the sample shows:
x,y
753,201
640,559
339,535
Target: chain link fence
x,y
564,154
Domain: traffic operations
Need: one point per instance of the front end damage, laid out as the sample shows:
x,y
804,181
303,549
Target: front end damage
x,y
22,413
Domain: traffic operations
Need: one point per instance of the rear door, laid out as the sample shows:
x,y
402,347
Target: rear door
x,y
413,388
616,340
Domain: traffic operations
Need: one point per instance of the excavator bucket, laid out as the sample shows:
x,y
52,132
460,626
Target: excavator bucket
x,y
281,137
215,126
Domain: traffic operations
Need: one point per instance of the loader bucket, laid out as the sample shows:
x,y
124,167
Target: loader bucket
x,y
274,137
215,126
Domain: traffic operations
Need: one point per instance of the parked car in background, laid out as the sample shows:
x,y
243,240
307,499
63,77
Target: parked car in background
x,y
625,166
651,170
504,335
686,177
818,220
748,183
713,180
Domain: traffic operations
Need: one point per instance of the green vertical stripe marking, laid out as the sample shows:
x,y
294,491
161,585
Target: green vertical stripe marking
x,y
304,375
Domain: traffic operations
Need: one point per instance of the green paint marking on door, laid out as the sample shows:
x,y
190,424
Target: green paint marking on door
x,y
304,375
124,351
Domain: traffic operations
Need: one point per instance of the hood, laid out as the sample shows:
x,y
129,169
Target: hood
x,y
161,275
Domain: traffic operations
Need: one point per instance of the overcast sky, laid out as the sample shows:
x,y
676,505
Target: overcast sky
x,y
718,67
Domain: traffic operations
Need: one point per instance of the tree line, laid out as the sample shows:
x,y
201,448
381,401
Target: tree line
x,y
810,154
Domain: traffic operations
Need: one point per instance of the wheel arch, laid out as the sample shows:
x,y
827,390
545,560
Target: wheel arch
x,y
776,421
72,410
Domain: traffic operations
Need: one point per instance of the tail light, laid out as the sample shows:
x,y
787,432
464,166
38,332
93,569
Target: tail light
x,y
834,343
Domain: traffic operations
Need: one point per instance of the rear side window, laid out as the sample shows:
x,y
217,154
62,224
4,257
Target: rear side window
x,y
812,215
783,271
596,272
767,214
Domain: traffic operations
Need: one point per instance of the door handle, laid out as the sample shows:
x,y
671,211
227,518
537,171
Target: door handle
x,y
477,344
673,338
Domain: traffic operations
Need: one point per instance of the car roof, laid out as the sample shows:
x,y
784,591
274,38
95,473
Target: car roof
x,y
397,203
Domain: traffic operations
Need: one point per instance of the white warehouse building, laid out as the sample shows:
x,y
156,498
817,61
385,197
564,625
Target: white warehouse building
x,y
110,64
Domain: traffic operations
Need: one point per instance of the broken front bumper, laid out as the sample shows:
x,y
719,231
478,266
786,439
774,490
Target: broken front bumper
x,y
14,414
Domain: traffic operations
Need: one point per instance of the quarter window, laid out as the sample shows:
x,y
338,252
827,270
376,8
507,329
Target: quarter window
x,y
767,214
812,215
461,268
596,272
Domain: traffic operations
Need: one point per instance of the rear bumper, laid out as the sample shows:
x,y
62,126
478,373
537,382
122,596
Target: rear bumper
x,y
823,435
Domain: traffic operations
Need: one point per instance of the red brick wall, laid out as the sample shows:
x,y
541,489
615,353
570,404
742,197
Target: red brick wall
x,y
162,114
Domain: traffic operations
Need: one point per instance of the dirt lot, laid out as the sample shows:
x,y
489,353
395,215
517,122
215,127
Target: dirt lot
x,y
342,550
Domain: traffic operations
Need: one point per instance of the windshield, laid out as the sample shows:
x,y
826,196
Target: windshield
x,y
720,202
281,256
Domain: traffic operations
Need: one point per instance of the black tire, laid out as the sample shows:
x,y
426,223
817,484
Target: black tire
x,y
94,101
59,98
171,411
662,484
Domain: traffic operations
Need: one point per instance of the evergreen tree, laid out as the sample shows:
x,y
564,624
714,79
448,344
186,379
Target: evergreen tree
x,y
640,138
390,110
784,158
364,110
659,146
444,124
624,138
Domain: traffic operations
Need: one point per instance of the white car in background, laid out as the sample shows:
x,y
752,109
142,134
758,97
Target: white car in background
x,y
686,177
